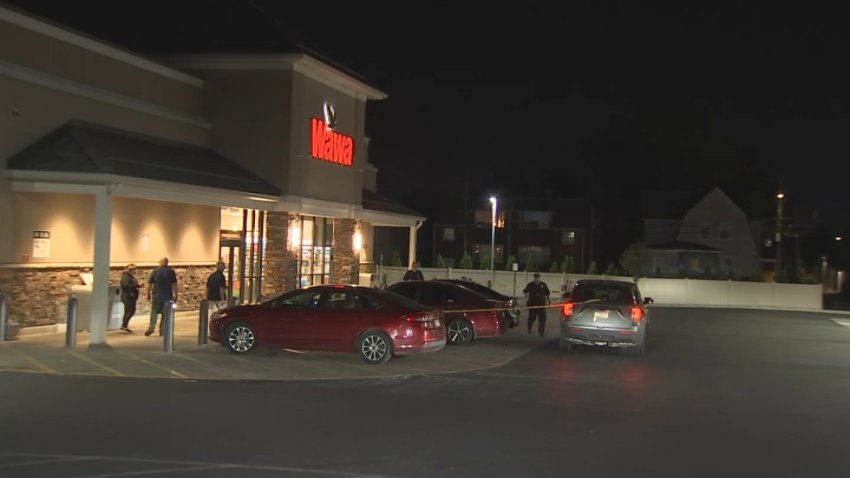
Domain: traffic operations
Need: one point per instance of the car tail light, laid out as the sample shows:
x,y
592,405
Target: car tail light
x,y
418,317
637,314
568,309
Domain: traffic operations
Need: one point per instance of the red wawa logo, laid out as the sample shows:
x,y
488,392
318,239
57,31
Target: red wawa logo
x,y
328,145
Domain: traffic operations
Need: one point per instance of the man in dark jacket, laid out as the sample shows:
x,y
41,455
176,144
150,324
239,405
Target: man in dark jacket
x,y
162,289
537,299
217,286
414,273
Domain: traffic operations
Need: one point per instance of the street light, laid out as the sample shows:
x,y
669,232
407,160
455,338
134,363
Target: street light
x,y
778,236
493,242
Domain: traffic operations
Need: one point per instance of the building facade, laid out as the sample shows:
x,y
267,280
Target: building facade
x,y
111,157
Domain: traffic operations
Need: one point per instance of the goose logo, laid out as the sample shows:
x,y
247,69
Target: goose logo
x,y
330,115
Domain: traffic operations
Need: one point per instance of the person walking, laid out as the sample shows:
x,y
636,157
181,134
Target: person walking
x,y
162,289
217,286
129,295
537,298
414,273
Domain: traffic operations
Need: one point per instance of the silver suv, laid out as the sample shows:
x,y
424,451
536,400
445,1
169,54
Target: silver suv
x,y
605,312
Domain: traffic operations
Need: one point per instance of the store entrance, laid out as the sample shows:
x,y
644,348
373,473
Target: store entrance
x,y
232,255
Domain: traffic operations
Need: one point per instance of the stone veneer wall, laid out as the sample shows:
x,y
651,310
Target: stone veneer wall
x,y
280,262
39,296
346,262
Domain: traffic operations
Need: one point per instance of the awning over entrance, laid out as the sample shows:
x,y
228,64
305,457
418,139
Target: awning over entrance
x,y
91,149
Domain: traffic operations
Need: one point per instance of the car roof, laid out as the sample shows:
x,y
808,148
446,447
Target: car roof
x,y
605,282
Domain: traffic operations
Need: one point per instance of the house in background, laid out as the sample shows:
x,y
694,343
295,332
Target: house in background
x,y
713,239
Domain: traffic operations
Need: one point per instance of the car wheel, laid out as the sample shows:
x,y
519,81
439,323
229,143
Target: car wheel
x,y
240,338
565,345
374,347
459,332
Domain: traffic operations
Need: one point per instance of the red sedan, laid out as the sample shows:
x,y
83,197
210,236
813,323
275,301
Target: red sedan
x,y
374,323
469,315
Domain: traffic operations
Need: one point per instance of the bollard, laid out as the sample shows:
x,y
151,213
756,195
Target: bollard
x,y
168,327
71,330
203,322
4,317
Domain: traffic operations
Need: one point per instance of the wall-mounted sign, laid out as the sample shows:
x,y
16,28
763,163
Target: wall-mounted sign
x,y
329,145
40,244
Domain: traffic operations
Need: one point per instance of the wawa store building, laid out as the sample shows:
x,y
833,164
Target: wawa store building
x,y
110,158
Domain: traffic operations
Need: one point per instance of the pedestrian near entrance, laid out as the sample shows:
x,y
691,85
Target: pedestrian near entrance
x,y
537,298
129,295
162,289
414,273
217,286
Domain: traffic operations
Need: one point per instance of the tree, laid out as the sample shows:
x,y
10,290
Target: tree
x,y
485,263
530,263
567,265
554,267
612,269
441,263
592,268
395,260
509,263
465,262
633,259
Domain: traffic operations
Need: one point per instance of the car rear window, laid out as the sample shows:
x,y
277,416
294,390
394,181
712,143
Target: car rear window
x,y
602,292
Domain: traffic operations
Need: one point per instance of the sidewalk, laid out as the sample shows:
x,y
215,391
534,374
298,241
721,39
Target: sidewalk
x,y
134,355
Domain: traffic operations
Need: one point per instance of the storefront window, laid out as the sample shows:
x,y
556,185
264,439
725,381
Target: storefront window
x,y
316,254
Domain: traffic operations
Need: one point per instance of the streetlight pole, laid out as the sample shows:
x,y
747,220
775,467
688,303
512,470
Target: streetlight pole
x,y
493,242
778,236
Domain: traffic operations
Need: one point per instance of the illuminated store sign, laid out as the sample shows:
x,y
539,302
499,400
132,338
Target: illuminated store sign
x,y
329,145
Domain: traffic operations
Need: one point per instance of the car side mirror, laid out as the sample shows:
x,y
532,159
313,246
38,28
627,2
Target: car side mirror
x,y
648,300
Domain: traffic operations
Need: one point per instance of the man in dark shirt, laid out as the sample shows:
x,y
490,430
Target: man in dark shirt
x,y
217,286
162,289
414,273
537,298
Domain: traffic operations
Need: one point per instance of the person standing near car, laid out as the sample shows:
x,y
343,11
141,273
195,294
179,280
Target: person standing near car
x,y
162,289
414,273
217,286
537,299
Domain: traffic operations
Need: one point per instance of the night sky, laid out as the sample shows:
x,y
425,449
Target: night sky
x,y
610,100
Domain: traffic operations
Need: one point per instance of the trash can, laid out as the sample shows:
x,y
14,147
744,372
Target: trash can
x,y
115,307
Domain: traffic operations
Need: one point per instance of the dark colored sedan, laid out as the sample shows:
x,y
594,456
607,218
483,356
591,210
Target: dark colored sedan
x,y
510,317
608,313
469,315
373,323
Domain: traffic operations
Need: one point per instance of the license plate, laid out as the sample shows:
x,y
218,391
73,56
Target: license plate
x,y
436,322
600,314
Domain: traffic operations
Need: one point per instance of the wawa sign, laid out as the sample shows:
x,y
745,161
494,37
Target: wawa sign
x,y
327,144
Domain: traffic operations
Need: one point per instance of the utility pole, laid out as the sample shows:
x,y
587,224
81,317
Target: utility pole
x,y
778,237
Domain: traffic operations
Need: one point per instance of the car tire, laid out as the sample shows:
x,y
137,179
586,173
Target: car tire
x,y
240,338
374,347
459,332
565,345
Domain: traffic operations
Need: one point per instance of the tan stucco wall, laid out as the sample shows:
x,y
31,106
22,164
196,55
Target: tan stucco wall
x,y
182,232
315,178
53,56
250,113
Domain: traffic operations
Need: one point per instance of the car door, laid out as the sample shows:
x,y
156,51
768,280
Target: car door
x,y
292,326
338,321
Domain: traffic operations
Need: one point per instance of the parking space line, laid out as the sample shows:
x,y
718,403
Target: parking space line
x,y
97,364
160,471
45,462
258,364
148,362
844,322
41,366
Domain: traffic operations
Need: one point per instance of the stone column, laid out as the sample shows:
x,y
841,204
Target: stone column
x,y
346,263
277,254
